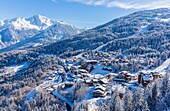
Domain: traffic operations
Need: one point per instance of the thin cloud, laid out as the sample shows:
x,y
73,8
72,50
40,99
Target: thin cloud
x,y
127,4
53,0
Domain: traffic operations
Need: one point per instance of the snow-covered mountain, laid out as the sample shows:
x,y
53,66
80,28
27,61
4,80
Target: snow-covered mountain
x,y
61,30
41,21
144,28
16,30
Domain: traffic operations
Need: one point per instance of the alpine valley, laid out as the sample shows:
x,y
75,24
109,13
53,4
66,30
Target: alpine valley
x,y
122,65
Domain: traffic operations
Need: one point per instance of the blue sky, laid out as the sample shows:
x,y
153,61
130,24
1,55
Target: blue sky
x,y
81,13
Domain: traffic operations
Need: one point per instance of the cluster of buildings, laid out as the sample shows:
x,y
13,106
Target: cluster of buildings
x,y
145,78
78,71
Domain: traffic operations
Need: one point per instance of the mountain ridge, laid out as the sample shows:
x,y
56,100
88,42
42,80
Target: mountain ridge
x,y
16,30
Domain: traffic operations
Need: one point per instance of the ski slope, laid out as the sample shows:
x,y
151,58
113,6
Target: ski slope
x,y
63,98
142,30
163,67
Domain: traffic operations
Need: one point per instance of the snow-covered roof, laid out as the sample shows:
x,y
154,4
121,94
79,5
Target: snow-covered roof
x,y
89,75
104,80
98,91
95,80
131,74
97,76
120,88
55,86
124,72
89,80
100,87
83,70
112,74
91,61
144,71
79,75
50,89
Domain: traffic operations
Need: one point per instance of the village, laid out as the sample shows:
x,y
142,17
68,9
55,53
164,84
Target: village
x,y
98,76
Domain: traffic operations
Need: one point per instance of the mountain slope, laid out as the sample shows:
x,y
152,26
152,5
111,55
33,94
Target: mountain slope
x,y
125,32
59,30
18,29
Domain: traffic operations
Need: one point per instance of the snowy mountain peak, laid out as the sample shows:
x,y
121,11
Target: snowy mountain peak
x,y
21,23
19,29
2,23
42,22
40,17
62,22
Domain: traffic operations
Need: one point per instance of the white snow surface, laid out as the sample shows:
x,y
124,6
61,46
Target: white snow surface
x,y
2,23
21,23
163,67
63,98
98,70
14,69
19,67
37,22
42,22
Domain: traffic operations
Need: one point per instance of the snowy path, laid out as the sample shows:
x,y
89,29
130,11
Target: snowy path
x,y
32,93
14,69
63,98
162,69
100,47
164,66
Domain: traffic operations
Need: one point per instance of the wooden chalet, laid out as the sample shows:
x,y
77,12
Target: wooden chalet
x,y
92,62
145,78
89,82
125,76
103,81
156,75
99,91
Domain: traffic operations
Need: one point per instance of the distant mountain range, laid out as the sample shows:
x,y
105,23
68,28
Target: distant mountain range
x,y
146,30
17,30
